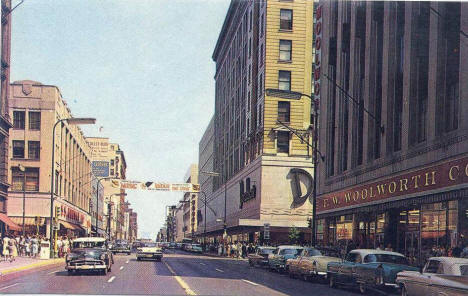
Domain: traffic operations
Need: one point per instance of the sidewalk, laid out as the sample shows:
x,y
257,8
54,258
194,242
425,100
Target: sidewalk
x,y
213,254
24,263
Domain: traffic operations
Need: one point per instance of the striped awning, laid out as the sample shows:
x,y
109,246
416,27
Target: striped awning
x,y
69,225
28,221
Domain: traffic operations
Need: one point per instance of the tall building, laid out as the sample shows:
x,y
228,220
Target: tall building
x,y
35,109
133,235
265,169
190,203
396,156
108,162
5,120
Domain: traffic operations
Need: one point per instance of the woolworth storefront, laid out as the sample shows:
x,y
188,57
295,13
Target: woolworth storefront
x,y
420,213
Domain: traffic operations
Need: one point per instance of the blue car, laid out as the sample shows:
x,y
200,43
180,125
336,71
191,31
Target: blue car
x,y
277,260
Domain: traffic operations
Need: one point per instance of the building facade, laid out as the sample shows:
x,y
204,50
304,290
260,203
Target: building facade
x,y
5,120
190,204
35,109
265,170
133,223
395,166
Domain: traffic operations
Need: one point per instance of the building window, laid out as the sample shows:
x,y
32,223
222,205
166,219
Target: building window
x,y
286,16
398,86
111,162
284,80
34,120
284,111
18,119
32,179
262,20
34,149
17,179
112,172
285,48
260,59
282,142
260,85
18,149
250,47
259,115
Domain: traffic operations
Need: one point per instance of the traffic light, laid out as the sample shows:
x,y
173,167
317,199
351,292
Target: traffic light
x,y
309,222
58,211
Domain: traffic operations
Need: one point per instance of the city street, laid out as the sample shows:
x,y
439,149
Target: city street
x,y
179,273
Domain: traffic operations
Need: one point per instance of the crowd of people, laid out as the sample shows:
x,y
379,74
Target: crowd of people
x,y
29,246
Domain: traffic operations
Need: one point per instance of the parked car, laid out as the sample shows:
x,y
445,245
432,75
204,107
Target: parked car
x,y
260,257
121,247
277,260
440,276
149,251
311,263
368,268
196,248
89,253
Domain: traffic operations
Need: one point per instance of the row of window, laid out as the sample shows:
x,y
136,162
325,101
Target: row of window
x,y
27,181
34,149
19,119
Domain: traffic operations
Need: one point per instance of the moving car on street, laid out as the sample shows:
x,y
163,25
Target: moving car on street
x,y
440,276
312,263
368,268
89,253
277,260
260,257
121,247
149,251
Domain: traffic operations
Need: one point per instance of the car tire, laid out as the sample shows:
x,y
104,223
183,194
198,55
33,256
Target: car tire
x,y
404,292
331,281
362,288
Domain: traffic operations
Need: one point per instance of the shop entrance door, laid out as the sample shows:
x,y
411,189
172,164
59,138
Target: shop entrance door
x,y
412,246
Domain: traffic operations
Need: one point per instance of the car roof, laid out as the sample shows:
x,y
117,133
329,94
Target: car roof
x,y
290,247
364,252
450,260
89,239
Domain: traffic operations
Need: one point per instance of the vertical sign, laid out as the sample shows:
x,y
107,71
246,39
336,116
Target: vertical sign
x,y
266,231
318,51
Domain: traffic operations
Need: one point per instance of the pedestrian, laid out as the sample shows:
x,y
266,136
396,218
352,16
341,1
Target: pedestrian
x,y
244,250
35,247
13,249
457,250
6,250
59,247
27,247
389,247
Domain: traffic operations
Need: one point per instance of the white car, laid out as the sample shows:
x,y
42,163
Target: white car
x,y
441,276
149,251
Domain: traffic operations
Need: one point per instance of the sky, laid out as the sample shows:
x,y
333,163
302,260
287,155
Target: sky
x,y
142,68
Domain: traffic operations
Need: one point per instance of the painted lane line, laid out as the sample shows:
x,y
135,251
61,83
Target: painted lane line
x,y
249,282
3,288
54,271
219,270
121,267
126,261
201,263
111,279
179,280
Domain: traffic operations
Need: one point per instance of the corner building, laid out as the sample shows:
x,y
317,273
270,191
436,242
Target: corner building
x,y
396,162
262,44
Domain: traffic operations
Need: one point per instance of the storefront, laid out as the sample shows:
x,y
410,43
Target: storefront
x,y
419,214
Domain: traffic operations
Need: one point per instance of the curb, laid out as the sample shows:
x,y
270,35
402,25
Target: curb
x,y
22,270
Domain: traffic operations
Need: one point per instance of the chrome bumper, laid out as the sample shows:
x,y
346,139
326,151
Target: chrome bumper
x,y
85,267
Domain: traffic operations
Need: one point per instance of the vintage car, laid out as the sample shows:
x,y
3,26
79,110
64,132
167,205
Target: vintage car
x,y
149,251
260,257
447,276
196,248
368,268
311,263
277,259
120,247
89,253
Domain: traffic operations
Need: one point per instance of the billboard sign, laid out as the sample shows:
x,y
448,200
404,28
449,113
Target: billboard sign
x,y
100,168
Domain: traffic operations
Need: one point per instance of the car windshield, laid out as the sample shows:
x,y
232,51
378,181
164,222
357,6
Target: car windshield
x,y
266,251
385,258
464,270
196,246
99,244
150,245
290,251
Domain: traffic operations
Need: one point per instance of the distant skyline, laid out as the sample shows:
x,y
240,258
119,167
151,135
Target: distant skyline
x,y
142,68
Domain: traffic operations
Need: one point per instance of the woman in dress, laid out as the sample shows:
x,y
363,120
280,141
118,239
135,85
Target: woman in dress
x,y
13,249
6,252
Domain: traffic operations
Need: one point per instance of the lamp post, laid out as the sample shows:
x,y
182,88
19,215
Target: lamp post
x,y
293,94
23,169
70,121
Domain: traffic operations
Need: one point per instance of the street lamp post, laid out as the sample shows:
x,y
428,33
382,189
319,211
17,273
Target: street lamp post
x,y
23,169
70,121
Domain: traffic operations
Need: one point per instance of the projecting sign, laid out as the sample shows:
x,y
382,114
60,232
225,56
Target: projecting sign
x,y
100,168
266,231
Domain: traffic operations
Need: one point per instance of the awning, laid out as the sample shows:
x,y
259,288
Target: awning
x,y
27,221
11,225
68,225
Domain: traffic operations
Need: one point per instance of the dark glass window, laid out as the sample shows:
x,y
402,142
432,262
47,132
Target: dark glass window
x,y
285,49
18,149
34,149
32,179
34,120
284,111
18,119
283,142
286,17
398,86
284,80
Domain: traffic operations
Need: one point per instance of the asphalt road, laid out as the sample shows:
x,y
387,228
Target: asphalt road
x,y
178,274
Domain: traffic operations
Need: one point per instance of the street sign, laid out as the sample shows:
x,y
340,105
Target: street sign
x,y
266,231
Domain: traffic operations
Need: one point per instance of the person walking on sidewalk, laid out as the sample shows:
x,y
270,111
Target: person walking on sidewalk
x,y
6,251
35,247
13,249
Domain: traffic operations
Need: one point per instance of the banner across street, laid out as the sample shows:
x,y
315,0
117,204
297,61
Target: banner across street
x,y
157,186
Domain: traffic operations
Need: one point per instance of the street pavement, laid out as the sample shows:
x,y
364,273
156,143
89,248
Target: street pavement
x,y
179,273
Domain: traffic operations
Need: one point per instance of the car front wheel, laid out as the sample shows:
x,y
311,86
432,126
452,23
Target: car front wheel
x,y
362,288
403,291
332,281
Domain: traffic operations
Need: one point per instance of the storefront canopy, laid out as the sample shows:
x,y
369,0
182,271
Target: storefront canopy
x,y
27,221
11,225
69,225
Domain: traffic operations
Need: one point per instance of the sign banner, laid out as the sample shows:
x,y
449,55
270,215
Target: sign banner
x,y
181,187
100,168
